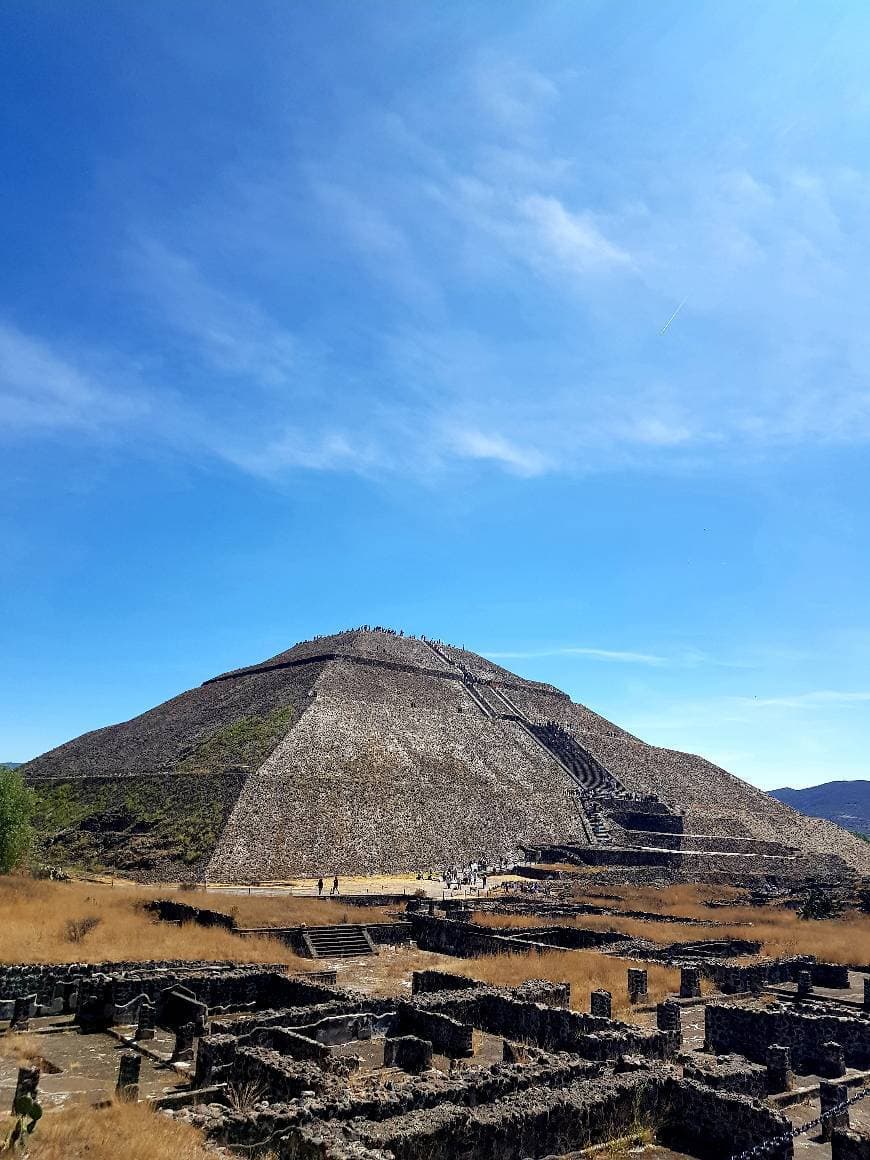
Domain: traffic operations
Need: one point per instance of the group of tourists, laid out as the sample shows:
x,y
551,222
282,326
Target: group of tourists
x,y
333,892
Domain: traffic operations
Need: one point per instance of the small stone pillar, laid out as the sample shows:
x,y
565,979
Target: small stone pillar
x,y
127,1085
690,983
779,1074
637,984
431,908
669,1018
26,1084
68,991
832,1095
832,1063
866,994
145,1026
22,1011
601,1004
804,984
183,1050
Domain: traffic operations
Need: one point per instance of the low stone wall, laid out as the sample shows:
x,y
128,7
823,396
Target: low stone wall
x,y
750,1028
734,978
390,933
470,1087
712,1125
539,1122
169,910
426,981
468,940
833,975
730,1073
551,1028
848,1145
282,1077
706,843
448,1036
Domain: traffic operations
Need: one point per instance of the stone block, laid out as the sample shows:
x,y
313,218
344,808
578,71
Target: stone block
x,y
832,1062
637,984
690,983
409,1053
601,1004
127,1084
779,1073
831,1096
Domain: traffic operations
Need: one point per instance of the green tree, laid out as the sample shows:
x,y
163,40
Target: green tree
x,y
16,807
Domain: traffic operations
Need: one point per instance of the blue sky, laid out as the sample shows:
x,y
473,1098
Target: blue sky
x,y
320,314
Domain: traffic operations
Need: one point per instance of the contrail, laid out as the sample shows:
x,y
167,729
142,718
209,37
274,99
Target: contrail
x,y
674,315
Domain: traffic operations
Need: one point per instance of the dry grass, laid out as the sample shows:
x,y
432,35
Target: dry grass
x,y
122,1129
279,909
35,928
20,1047
494,919
585,970
780,932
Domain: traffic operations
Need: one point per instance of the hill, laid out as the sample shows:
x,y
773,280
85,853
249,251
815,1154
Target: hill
x,y
372,751
845,802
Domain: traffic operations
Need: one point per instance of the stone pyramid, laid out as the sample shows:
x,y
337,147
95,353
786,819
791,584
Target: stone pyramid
x,y
370,751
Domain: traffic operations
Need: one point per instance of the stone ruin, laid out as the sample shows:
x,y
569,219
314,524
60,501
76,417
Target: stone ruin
x,y
311,1070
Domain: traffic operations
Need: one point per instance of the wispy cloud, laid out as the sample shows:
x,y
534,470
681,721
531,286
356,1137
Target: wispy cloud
x,y
816,698
573,239
598,654
43,390
481,445
230,332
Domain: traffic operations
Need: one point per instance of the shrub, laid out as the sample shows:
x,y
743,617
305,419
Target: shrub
x,y
78,928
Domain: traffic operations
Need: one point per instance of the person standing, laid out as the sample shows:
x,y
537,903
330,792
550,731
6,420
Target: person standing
x,y
319,887
334,890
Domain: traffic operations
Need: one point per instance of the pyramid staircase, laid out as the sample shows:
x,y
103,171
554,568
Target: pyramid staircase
x,y
338,942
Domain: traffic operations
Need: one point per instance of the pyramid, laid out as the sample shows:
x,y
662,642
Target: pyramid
x,y
369,751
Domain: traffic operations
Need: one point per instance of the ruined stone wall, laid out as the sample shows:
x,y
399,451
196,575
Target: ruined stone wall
x,y
750,1028
540,1121
551,1028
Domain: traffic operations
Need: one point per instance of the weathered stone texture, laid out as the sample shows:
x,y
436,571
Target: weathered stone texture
x,y
370,751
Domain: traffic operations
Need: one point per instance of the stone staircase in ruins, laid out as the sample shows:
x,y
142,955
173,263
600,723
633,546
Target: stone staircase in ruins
x,y
338,942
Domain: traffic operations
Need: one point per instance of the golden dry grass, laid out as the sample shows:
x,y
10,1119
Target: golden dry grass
x,y
278,909
20,1047
781,932
122,1129
36,914
585,970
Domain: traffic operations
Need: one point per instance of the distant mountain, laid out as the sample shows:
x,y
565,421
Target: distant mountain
x,y
845,802
11,764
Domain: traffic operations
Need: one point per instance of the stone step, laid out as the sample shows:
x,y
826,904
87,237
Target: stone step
x,y
338,942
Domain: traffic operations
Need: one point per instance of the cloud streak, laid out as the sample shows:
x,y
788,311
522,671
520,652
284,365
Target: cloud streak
x,y
599,654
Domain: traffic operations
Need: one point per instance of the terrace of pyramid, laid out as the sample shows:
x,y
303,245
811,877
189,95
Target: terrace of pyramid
x,y
369,751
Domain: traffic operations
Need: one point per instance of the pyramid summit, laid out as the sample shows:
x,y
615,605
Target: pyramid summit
x,y
370,751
